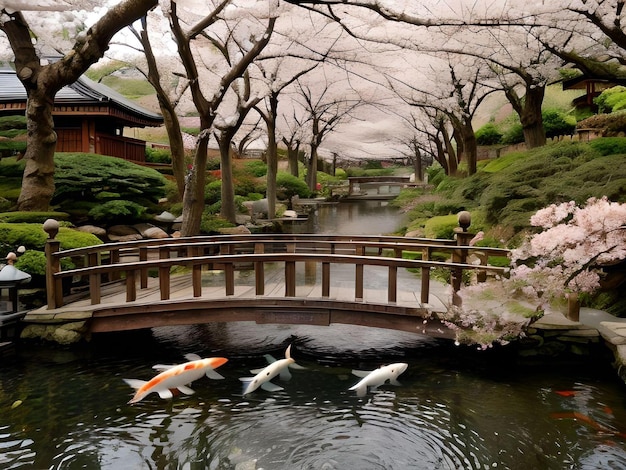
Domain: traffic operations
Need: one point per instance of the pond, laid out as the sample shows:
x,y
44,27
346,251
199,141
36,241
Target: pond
x,y
455,407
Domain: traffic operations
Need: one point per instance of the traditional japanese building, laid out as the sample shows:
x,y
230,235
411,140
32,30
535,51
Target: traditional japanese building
x,y
88,116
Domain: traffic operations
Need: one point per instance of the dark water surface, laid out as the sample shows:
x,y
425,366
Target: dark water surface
x,y
456,408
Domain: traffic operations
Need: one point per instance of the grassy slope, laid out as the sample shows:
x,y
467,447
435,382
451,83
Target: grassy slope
x,y
504,193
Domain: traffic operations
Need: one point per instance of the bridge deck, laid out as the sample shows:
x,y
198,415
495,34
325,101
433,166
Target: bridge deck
x,y
115,313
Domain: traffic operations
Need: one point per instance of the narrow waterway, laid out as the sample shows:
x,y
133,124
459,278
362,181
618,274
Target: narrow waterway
x,y
455,407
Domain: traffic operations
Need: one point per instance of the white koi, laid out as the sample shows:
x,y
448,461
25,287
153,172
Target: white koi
x,y
264,376
176,377
376,378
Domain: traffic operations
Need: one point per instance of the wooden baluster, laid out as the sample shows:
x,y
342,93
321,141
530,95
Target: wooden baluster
x,y
196,272
229,278
392,290
259,270
290,273
358,281
131,286
425,292
114,258
326,280
143,256
164,275
94,279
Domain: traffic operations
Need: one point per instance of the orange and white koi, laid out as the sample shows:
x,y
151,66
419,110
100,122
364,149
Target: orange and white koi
x,y
176,377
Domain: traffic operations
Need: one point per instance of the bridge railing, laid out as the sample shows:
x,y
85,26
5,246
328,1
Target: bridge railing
x,y
134,261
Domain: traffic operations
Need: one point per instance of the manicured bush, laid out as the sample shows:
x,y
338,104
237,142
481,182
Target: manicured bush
x,y
611,100
98,178
557,123
488,135
117,212
12,122
33,237
213,192
211,223
288,186
609,145
514,135
157,155
441,226
31,217
11,168
256,168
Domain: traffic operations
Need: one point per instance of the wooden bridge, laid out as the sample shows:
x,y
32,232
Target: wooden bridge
x,y
373,187
277,278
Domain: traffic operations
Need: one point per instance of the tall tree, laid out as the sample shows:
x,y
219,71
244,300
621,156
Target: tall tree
x,y
43,81
193,45
269,113
324,109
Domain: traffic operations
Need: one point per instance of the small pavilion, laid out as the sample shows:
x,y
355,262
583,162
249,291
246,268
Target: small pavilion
x,y
88,117
593,86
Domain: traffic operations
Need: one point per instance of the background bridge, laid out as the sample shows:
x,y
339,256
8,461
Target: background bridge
x,y
292,279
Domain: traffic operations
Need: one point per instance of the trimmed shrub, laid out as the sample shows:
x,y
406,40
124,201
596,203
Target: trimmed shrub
x,y
11,168
488,135
115,212
612,99
288,186
157,155
98,178
441,226
514,135
609,145
557,123
256,168
213,192
31,217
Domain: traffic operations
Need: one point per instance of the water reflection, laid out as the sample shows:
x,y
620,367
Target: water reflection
x,y
354,218
455,408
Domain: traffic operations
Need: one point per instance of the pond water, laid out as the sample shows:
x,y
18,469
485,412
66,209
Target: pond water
x,y
455,407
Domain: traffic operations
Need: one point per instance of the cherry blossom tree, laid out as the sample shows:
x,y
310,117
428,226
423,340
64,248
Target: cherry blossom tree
x,y
43,80
325,106
237,44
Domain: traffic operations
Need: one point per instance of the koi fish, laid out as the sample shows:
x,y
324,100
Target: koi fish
x,y
565,393
264,376
176,377
592,423
378,377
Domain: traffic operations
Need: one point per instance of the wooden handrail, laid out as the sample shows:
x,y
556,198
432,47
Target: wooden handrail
x,y
258,260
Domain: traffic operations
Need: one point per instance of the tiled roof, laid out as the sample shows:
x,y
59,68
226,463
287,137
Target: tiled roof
x,y
82,92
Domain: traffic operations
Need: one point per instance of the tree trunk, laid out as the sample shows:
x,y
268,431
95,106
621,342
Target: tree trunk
x,y
470,147
177,147
292,159
228,210
452,158
38,180
528,109
272,158
531,119
193,198
311,176
417,167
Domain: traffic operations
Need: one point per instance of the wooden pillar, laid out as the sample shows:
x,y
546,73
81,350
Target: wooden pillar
x,y
54,288
259,270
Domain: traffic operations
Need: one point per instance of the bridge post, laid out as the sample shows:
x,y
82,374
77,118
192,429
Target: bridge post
x,y
460,256
54,288
196,273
